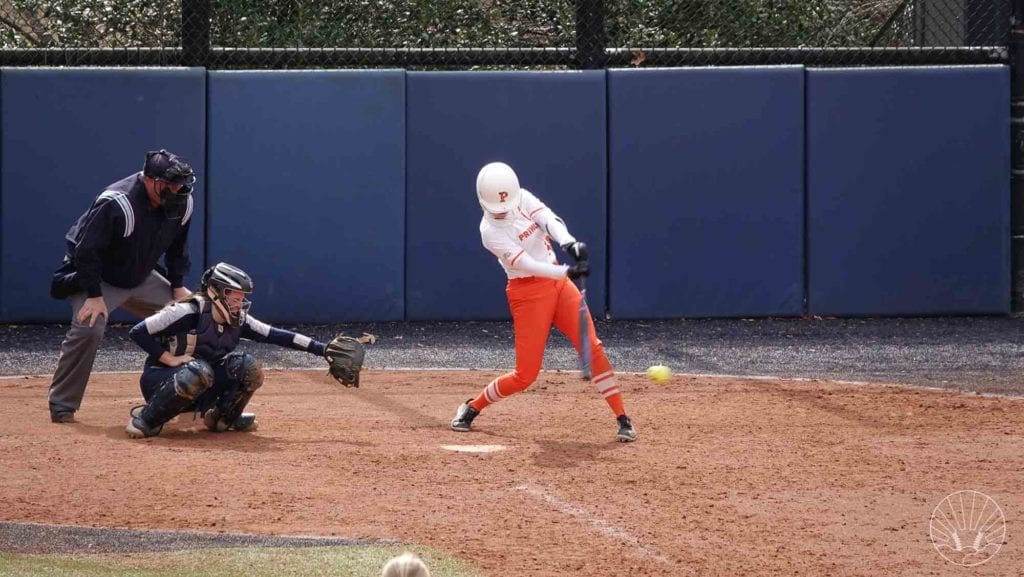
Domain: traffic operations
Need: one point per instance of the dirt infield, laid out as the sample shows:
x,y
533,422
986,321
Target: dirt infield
x,y
728,477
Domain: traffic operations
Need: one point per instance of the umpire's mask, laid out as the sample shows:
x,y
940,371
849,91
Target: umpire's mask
x,y
169,170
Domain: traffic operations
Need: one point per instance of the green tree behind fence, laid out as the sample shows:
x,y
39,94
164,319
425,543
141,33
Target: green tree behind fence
x,y
505,26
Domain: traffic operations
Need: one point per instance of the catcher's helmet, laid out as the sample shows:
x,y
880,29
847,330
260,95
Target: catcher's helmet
x,y
221,278
497,188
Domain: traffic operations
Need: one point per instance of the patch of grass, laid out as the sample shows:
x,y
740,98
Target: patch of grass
x,y
349,561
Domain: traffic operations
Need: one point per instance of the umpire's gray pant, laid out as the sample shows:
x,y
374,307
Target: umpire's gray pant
x,y
78,351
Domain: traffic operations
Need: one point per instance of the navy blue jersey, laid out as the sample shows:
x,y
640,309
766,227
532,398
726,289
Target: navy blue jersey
x,y
188,328
122,236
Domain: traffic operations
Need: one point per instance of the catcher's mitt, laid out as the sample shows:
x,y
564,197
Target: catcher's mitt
x,y
345,359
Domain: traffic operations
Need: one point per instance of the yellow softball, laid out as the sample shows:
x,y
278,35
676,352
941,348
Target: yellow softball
x,y
659,374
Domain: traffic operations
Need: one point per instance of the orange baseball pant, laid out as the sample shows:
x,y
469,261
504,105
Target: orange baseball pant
x,y
537,303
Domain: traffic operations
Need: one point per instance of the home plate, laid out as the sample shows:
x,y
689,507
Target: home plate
x,y
474,448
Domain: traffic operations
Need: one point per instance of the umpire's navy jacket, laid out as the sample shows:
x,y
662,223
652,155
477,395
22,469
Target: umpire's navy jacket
x,y
120,239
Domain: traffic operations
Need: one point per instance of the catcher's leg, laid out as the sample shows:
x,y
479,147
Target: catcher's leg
x,y
243,375
170,398
567,321
532,302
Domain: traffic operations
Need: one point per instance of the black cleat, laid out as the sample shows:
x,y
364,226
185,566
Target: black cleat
x,y
244,423
138,429
464,417
627,434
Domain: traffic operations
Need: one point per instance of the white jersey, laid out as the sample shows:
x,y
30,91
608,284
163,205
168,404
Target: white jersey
x,y
522,240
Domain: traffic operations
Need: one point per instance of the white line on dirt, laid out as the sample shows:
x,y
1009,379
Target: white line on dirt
x,y
474,448
602,526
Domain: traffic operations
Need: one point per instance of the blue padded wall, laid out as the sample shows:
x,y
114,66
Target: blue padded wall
x,y
307,190
706,192
549,126
908,191
66,134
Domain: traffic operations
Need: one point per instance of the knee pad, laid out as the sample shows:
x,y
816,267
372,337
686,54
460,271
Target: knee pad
x,y
176,393
245,369
194,377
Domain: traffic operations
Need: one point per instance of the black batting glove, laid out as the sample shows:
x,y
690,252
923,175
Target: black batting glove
x,y
577,250
579,269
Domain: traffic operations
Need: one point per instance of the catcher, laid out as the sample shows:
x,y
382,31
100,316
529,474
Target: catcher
x,y
193,366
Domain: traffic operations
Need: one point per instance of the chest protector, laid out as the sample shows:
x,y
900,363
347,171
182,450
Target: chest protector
x,y
208,339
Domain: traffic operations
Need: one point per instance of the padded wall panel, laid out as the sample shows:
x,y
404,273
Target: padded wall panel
x,y
66,134
549,126
307,190
908,191
706,192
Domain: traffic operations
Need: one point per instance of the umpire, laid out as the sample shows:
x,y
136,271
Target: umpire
x,y
111,262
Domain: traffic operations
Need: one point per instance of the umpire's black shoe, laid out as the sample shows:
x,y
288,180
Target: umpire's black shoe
x,y
464,417
627,433
62,417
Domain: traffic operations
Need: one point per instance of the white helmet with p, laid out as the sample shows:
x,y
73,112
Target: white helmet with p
x,y
497,188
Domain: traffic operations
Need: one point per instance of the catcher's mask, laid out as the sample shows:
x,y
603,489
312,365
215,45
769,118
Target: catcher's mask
x,y
170,170
227,286
497,188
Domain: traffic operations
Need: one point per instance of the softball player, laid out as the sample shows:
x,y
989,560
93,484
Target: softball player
x,y
192,364
518,228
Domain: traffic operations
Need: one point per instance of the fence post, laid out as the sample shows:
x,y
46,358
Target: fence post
x,y
1017,156
195,32
590,34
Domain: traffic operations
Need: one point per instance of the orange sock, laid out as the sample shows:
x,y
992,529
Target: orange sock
x,y
501,387
604,380
615,402
479,402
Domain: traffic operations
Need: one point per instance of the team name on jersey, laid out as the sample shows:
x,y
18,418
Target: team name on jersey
x,y
532,228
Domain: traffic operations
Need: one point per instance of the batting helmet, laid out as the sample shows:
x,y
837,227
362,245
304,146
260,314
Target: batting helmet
x,y
497,188
221,278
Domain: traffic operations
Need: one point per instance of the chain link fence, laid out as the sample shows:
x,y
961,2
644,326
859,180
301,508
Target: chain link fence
x,y
466,34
